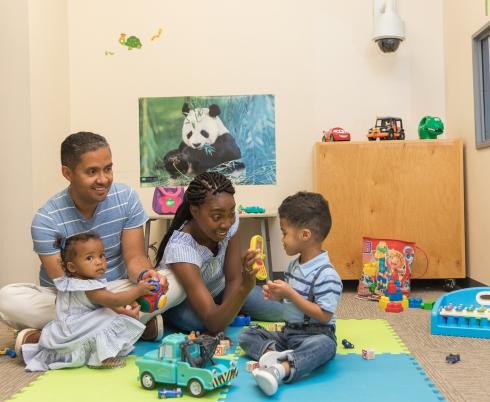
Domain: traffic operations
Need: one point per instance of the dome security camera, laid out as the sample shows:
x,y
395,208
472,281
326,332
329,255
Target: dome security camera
x,y
389,28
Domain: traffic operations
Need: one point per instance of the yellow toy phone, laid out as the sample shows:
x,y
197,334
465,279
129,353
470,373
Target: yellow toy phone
x,y
257,243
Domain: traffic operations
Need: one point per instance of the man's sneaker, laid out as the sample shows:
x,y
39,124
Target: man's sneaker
x,y
268,379
28,335
154,329
272,357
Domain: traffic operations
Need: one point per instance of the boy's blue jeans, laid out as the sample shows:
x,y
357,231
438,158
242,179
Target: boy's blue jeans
x,y
310,349
183,317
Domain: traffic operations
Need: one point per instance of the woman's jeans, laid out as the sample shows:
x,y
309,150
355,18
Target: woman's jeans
x,y
183,317
310,348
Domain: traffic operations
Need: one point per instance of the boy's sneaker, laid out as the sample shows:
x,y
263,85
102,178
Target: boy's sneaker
x,y
28,335
268,379
272,357
154,329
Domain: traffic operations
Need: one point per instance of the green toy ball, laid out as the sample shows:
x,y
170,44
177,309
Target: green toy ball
x,y
430,127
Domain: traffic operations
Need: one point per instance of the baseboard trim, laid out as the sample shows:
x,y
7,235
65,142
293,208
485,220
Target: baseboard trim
x,y
417,283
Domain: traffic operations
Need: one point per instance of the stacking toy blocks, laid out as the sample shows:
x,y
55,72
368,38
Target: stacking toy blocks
x,y
8,352
394,301
368,354
274,326
222,347
252,365
464,312
414,302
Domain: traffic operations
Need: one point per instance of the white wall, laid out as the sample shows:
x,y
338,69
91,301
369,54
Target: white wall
x,y
461,21
15,175
34,118
316,57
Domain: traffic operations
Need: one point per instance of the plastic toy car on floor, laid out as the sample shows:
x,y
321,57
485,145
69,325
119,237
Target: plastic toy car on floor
x,y
450,358
346,344
186,362
336,134
170,393
387,128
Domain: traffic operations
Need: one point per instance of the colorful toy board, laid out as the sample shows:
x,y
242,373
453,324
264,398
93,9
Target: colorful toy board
x,y
464,312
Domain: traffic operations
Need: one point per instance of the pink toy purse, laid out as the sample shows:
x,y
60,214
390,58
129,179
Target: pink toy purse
x,y
166,200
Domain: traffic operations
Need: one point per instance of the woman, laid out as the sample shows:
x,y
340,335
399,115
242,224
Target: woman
x,y
202,247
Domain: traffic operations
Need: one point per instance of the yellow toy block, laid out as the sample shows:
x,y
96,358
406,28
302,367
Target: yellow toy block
x,y
405,303
383,302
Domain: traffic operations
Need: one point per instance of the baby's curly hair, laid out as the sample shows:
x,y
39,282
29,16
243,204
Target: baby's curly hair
x,y
307,210
68,249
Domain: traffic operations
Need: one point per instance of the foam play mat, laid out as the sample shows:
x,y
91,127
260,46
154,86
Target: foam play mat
x,y
392,375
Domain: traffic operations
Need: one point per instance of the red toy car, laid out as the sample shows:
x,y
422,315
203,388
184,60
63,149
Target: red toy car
x,y
336,134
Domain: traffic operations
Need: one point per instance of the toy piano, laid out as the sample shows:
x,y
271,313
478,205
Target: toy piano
x,y
464,312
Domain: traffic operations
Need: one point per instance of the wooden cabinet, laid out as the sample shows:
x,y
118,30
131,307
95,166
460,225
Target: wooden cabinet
x,y
406,190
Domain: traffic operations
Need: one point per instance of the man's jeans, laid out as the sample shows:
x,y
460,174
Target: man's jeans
x,y
310,348
183,317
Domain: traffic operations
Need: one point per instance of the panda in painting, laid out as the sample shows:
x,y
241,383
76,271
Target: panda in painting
x,y
206,143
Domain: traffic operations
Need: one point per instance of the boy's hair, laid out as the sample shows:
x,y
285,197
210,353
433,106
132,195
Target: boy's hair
x,y
196,193
307,210
67,246
77,144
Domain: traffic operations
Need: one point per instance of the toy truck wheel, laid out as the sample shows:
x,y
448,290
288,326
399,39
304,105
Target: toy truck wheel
x,y
402,136
195,388
332,137
147,381
391,135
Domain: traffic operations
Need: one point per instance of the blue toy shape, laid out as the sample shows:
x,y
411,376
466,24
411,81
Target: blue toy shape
x,y
414,302
240,320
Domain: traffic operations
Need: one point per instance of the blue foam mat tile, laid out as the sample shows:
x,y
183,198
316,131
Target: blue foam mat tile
x,y
388,377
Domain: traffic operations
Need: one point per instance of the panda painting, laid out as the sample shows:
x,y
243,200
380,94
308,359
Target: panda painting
x,y
206,143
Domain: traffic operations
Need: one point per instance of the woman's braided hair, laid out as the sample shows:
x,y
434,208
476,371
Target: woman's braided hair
x,y
196,193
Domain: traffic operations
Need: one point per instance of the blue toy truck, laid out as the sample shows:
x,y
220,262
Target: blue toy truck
x,y
186,362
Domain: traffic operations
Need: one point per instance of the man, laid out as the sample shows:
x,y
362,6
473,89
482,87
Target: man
x,y
92,202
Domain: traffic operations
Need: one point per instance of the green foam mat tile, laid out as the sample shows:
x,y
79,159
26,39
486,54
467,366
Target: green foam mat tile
x,y
373,334
378,335
91,385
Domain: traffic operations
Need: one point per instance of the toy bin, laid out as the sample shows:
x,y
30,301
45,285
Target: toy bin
x,y
464,312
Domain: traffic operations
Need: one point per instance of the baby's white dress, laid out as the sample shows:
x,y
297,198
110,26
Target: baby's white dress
x,y
83,333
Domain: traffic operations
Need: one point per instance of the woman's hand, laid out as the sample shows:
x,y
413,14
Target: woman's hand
x,y
248,272
152,274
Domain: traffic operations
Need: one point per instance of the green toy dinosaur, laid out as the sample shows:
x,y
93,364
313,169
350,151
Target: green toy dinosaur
x,y
430,127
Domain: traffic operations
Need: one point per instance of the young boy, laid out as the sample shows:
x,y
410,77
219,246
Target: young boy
x,y
310,297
